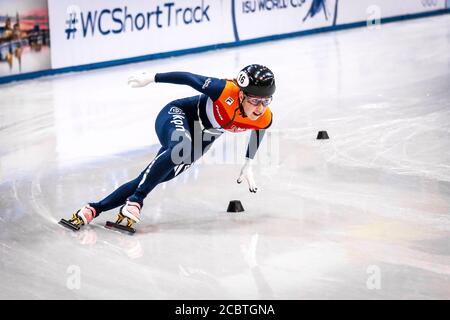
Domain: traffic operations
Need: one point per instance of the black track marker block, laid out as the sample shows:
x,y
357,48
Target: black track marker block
x,y
322,135
235,206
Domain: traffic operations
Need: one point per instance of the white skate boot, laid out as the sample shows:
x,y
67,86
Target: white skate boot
x,y
82,217
87,214
131,211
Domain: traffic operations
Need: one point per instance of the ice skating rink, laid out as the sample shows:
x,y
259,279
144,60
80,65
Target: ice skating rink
x,y
365,214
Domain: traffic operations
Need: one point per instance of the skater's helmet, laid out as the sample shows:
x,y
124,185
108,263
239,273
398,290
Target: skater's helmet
x,y
256,80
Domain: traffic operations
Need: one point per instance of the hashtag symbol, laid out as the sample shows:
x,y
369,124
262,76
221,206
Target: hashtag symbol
x,y
71,29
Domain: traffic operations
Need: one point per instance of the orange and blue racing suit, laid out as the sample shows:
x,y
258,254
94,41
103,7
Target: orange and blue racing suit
x,y
180,124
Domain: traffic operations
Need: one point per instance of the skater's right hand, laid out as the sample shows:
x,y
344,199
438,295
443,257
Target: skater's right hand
x,y
141,79
247,174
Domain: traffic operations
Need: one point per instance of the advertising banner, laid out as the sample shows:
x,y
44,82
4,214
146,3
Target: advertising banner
x,y
24,37
261,18
90,31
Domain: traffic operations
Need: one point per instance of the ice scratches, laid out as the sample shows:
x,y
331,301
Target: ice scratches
x,y
385,146
367,203
29,123
36,196
381,105
310,131
4,245
401,256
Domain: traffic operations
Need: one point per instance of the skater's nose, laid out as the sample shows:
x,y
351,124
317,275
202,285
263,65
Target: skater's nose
x,y
260,108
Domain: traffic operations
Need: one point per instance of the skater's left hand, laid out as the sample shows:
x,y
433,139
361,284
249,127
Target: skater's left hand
x,y
141,79
247,174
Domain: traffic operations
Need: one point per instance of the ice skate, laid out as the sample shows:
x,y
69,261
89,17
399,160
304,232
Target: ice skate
x,y
82,217
132,212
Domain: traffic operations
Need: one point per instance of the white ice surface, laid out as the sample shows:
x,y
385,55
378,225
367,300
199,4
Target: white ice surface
x,y
376,196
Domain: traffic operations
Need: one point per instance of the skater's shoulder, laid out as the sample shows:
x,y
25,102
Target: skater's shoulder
x,y
230,88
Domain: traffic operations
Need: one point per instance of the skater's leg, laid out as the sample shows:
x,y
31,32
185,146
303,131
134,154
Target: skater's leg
x,y
166,122
174,133
119,196
160,170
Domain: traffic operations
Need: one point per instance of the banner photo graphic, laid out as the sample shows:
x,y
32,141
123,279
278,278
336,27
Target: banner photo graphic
x,y
24,37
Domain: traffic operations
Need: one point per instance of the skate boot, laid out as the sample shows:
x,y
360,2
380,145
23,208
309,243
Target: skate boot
x,y
132,212
82,217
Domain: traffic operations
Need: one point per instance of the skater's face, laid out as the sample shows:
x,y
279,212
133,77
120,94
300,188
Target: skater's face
x,y
254,107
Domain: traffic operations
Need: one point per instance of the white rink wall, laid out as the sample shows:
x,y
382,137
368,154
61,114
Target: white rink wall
x,y
97,33
360,10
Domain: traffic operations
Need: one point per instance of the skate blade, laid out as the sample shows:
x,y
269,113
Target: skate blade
x,y
113,225
69,225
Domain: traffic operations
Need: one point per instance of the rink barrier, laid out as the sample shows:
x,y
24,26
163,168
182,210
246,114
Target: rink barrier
x,y
155,56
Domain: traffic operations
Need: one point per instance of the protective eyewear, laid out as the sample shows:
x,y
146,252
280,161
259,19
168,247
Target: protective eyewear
x,y
256,100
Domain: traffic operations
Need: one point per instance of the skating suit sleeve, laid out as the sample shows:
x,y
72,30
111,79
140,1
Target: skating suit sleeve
x,y
256,137
212,87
